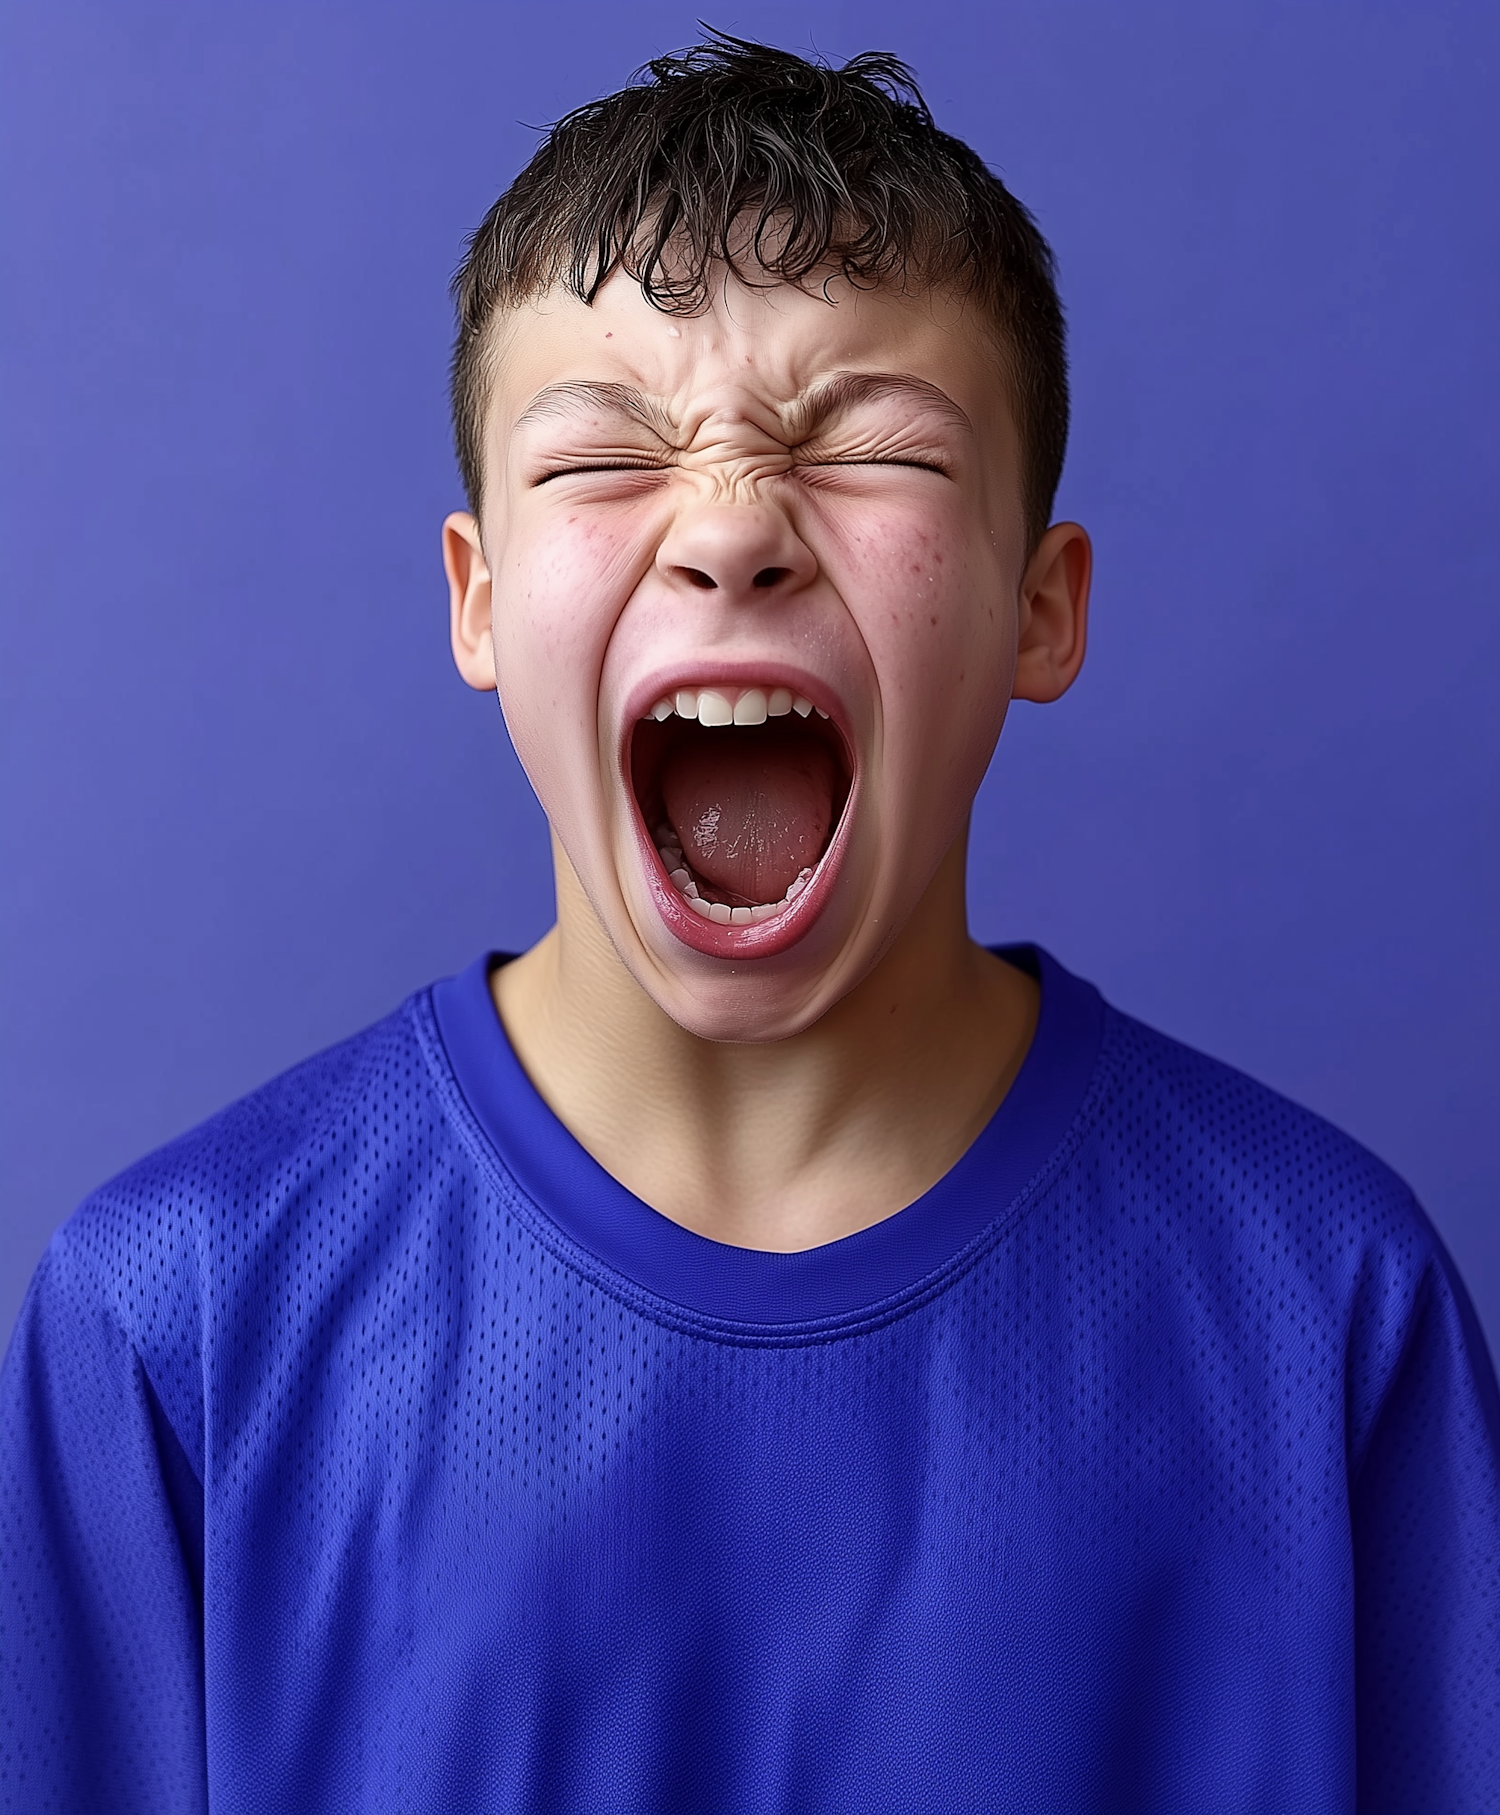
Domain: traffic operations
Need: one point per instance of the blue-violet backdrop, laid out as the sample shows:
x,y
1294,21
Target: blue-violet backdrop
x,y
247,805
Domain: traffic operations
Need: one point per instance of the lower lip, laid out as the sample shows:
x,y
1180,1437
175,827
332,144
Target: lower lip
x,y
761,938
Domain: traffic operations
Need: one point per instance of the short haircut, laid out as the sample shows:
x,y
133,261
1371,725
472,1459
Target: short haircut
x,y
736,154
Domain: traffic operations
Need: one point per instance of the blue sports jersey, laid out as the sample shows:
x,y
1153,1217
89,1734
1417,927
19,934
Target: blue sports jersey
x,y
372,1449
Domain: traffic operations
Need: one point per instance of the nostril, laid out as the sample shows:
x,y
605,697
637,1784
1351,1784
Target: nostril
x,y
695,576
770,576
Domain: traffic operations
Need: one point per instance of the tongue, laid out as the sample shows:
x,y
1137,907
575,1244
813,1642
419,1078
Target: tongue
x,y
752,808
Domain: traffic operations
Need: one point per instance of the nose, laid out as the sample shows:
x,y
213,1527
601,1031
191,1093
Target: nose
x,y
746,551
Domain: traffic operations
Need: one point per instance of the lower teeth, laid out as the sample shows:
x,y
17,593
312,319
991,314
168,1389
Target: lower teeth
x,y
720,911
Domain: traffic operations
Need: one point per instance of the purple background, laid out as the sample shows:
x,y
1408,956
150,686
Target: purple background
x,y
247,805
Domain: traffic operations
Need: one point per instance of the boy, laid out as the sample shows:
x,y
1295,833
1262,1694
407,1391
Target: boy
x,y
757,1350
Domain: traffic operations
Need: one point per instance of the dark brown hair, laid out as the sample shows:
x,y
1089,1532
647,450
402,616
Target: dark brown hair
x,y
733,153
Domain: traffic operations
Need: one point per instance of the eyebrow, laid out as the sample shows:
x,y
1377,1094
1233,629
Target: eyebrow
x,y
555,400
804,415
844,390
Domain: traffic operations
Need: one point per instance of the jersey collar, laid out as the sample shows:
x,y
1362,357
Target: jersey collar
x,y
747,1285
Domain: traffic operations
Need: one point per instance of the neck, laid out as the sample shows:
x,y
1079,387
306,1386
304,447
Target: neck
x,y
790,1144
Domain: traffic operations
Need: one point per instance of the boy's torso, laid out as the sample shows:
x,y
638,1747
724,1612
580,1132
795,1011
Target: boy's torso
x,y
1064,1522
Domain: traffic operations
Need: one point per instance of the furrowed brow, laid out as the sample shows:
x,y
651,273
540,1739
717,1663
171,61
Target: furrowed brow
x,y
814,409
581,395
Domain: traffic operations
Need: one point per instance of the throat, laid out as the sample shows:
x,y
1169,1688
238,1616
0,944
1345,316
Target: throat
x,y
793,1137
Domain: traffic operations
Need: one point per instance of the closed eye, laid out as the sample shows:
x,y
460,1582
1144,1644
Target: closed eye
x,y
598,466
912,464
924,466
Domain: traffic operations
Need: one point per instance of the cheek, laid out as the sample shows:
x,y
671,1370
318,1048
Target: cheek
x,y
934,607
559,592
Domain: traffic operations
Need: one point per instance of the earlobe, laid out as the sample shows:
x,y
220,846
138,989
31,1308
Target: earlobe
x,y
1054,614
469,601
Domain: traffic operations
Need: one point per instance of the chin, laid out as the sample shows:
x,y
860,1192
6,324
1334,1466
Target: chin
x,y
729,1002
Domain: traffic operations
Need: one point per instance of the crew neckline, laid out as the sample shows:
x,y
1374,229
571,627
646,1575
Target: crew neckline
x,y
569,1187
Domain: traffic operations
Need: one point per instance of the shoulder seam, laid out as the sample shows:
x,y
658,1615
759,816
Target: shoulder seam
x,y
75,1270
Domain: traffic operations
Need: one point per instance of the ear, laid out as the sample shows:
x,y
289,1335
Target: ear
x,y
1054,613
469,601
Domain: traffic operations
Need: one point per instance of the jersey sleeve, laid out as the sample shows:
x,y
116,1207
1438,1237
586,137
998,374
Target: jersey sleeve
x,y
101,1562
1426,1532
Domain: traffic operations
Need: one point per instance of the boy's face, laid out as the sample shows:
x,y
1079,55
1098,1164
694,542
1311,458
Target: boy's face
x,y
800,516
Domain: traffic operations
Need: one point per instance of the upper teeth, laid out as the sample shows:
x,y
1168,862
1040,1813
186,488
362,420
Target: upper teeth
x,y
747,706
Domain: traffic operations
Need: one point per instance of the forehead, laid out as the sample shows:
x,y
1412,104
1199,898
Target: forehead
x,y
765,346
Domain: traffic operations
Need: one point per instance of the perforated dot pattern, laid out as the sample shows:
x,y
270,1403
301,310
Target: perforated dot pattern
x,y
337,1479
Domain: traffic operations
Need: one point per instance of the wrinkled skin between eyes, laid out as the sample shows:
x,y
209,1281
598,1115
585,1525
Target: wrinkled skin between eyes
x,y
844,476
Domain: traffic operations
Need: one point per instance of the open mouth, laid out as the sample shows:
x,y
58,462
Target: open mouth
x,y
741,791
